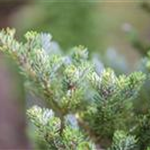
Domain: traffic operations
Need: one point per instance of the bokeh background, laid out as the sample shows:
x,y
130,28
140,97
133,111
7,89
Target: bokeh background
x,y
108,28
115,31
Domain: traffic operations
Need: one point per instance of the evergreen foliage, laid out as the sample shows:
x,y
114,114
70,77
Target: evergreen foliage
x,y
87,108
122,140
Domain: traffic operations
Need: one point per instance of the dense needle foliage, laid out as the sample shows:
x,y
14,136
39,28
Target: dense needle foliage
x,y
88,107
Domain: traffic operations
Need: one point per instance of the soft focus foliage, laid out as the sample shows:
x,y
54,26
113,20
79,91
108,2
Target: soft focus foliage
x,y
88,106
122,140
49,128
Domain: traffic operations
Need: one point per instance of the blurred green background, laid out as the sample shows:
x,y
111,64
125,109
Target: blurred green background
x,y
109,28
